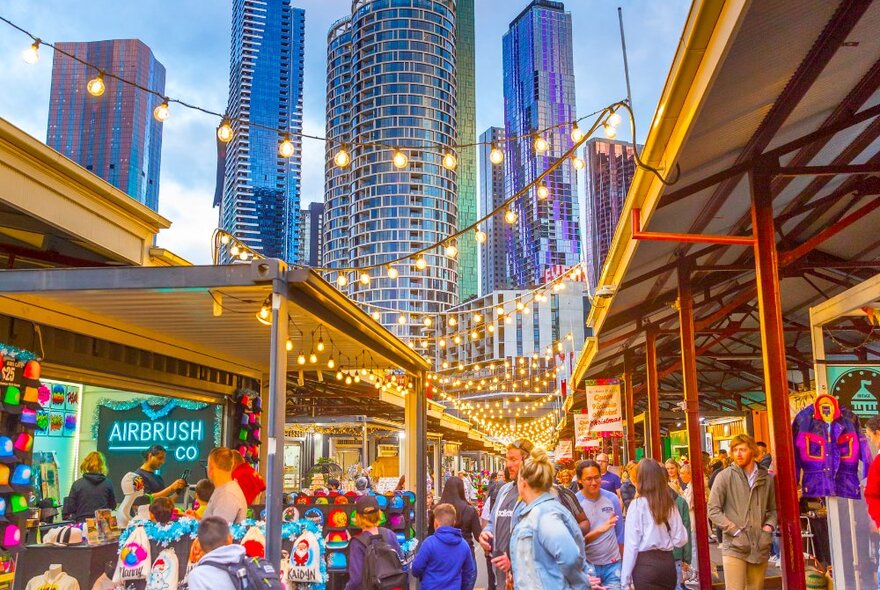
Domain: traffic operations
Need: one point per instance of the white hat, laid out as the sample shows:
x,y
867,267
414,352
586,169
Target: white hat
x,y
64,535
133,487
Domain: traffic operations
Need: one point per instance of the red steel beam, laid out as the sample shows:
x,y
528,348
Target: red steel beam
x,y
776,379
692,410
828,170
653,384
638,234
628,373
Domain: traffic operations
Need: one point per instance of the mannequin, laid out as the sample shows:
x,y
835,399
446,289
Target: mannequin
x,y
53,579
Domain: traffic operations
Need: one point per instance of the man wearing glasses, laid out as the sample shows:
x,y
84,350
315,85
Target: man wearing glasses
x,y
604,542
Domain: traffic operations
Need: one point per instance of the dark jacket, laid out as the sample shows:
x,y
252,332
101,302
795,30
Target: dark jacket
x,y
445,562
742,512
627,493
93,491
356,554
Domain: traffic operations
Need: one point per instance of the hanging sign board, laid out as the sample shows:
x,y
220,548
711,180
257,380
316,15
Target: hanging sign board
x,y
603,405
563,450
855,387
387,484
582,435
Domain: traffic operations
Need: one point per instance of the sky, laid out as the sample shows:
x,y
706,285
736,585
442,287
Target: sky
x,y
191,38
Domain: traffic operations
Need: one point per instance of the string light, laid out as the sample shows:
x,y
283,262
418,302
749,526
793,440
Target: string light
x,y
31,54
289,345
510,216
578,163
401,319
496,156
392,272
449,161
451,250
96,85
540,144
365,278
421,263
161,112
543,192
313,358
614,119
610,131
341,280
377,316
479,235
576,133
399,159
320,345
224,131
331,363
342,158
301,359
286,148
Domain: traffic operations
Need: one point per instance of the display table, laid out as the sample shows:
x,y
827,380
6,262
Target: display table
x,y
83,562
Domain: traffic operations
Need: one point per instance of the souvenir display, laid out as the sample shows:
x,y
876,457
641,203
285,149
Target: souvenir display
x,y
247,437
53,579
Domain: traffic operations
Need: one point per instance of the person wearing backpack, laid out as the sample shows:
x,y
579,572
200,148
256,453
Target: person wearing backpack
x,y
445,561
225,566
374,557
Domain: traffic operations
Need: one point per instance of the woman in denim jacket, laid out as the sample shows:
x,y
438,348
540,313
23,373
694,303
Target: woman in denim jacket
x,y
547,547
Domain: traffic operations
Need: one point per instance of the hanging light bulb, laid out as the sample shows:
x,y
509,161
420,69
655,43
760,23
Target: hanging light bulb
x,y
541,145
331,363
399,159
320,345
339,375
614,119
243,255
225,239
477,318
442,343
96,85
453,321
224,131
428,322
31,55
421,263
301,358
342,157
285,148
365,278
451,250
578,163
348,379
449,161
313,358
576,133
491,328
264,316
499,310
341,280
357,378
496,156
510,216
401,319
377,316
610,131
392,272
543,191
479,235
161,112
289,345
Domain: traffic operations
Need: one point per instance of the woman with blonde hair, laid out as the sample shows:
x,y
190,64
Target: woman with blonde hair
x,y
546,547
93,491
674,475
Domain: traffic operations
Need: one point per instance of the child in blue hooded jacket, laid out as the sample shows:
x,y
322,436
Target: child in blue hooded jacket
x,y
445,561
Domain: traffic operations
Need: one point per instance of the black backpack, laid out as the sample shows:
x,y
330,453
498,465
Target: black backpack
x,y
382,568
250,573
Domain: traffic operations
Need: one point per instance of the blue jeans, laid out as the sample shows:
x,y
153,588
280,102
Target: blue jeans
x,y
609,574
678,563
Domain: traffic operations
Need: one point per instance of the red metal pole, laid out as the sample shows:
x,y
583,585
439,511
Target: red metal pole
x,y
692,409
638,234
629,405
653,383
776,379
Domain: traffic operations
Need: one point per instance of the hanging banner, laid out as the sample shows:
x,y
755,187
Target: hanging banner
x,y
582,430
603,405
855,387
563,450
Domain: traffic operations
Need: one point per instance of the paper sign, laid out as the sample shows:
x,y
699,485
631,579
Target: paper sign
x,y
603,406
581,430
563,450
387,484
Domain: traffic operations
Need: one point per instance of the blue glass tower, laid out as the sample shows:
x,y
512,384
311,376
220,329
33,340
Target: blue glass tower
x,y
261,190
539,93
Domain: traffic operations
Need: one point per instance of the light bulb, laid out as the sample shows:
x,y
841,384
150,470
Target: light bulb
x,y
341,280
428,322
96,85
357,378
31,55
224,131
543,192
541,144
401,319
313,358
392,273
301,359
224,239
348,380
339,375
365,278
610,131
331,363
614,119
451,250
449,161
499,310
234,250
161,112
496,156
288,345
480,236
510,216
377,316
243,255
342,158
477,318
265,312
453,322
475,335
320,345
578,163
421,263
576,133
285,148
399,159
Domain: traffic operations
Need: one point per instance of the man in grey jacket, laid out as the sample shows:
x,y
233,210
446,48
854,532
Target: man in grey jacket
x,y
216,543
743,504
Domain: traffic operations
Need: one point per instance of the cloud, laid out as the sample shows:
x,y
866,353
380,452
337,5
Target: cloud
x,y
193,221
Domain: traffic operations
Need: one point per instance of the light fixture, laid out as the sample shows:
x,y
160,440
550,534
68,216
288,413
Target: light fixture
x,y
510,216
339,375
479,235
161,112
610,131
331,363
399,159
614,119
428,322
96,85
421,263
341,280
392,272
342,157
301,358
289,345
225,239
499,310
401,319
451,250
377,316
576,133
320,345
285,148
224,131
452,321
348,379
543,191
578,163
365,278
541,145
449,161
264,316
313,358
477,318
496,156
31,55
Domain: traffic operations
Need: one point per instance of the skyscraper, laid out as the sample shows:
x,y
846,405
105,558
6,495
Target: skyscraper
x,y
468,285
261,190
493,252
311,236
392,81
113,135
610,169
539,94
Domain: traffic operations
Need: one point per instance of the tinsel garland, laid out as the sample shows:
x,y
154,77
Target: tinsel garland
x,y
154,413
19,354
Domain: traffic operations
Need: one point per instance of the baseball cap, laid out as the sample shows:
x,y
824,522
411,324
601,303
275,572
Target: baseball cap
x,y
29,417
31,396
290,514
21,480
337,560
12,399
381,501
337,518
401,537
340,500
366,505
3,509
396,521
18,503
6,450
24,444
338,539
315,515
522,445
10,536
32,370
396,503
64,535
5,473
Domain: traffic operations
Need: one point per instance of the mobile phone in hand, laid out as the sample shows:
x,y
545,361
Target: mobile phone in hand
x,y
185,476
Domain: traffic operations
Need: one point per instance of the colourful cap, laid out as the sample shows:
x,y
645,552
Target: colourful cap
x,y
337,560
32,370
44,394
24,444
382,501
396,503
29,417
383,518
5,473
322,500
18,503
10,536
21,479
3,509
337,518
12,399
396,521
290,514
31,396
7,454
315,515
410,497
338,539
366,504
340,500
401,537
352,520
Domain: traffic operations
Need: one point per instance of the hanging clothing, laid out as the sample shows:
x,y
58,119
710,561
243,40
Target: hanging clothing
x,y
828,455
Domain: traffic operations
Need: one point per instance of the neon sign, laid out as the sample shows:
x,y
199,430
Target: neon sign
x,y
141,435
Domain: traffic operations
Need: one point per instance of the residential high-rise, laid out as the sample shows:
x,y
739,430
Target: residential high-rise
x,y
539,94
311,235
261,191
493,252
610,169
392,84
114,135
468,285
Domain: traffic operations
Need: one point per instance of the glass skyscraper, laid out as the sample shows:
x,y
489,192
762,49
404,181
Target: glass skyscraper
x,y
539,93
113,135
468,284
494,273
261,190
392,82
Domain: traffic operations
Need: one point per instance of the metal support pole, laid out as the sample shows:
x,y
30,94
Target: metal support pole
x,y
776,379
421,486
365,447
692,409
629,406
277,413
655,448
438,469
